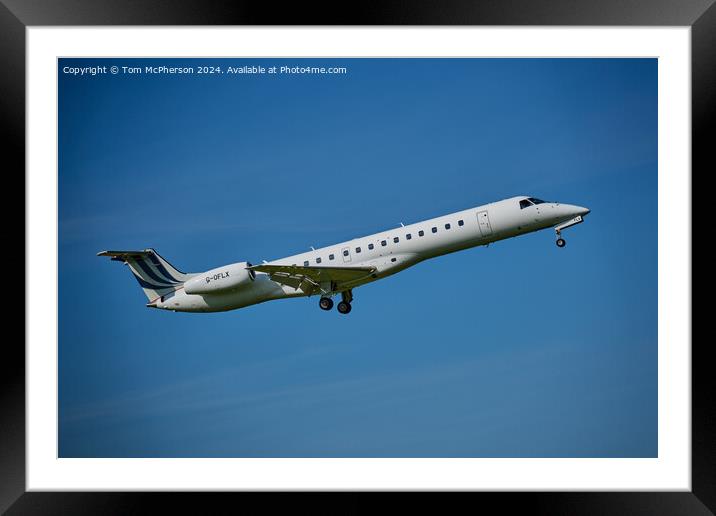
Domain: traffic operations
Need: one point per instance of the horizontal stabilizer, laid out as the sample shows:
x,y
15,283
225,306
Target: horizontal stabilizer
x,y
122,255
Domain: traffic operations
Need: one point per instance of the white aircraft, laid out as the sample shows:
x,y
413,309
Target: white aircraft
x,y
340,268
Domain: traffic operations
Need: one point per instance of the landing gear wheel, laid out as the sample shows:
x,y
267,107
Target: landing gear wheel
x,y
344,307
326,303
561,242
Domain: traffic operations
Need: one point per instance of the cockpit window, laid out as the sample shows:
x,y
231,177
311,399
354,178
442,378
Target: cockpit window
x,y
524,203
537,201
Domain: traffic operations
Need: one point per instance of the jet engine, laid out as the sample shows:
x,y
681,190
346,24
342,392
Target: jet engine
x,y
221,279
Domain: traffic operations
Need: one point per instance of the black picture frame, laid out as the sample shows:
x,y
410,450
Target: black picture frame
x,y
16,15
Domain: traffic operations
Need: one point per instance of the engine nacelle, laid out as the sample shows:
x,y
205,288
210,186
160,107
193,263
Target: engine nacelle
x,y
220,279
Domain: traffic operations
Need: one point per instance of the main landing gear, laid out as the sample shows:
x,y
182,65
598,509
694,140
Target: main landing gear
x,y
344,307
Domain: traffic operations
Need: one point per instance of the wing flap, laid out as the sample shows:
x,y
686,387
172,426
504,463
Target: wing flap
x,y
309,279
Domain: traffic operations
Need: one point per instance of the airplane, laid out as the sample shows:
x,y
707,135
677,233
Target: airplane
x,y
340,268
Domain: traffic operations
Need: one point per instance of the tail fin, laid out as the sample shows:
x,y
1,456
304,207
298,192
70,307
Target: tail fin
x,y
155,275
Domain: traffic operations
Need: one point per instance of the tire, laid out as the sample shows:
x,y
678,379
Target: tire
x,y
561,242
344,307
326,303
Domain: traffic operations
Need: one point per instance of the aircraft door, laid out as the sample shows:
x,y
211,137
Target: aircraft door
x,y
484,222
346,252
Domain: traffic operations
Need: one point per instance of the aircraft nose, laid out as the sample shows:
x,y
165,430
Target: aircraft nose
x,y
583,211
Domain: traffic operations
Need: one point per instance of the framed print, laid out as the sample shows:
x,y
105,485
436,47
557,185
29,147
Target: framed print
x,y
312,158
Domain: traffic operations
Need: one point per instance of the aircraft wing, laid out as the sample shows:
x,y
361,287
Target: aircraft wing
x,y
309,279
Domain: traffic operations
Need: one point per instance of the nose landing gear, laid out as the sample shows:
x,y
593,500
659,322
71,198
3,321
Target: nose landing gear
x,y
564,225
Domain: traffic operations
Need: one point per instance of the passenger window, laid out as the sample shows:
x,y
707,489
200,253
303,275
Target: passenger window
x,y
318,260
421,233
383,243
460,222
525,204
331,257
435,230
396,240
447,226
408,236
357,249
305,264
370,246
345,253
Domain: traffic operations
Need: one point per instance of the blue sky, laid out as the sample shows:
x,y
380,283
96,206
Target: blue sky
x,y
520,349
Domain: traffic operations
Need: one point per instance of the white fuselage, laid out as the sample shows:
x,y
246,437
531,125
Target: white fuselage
x,y
392,250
